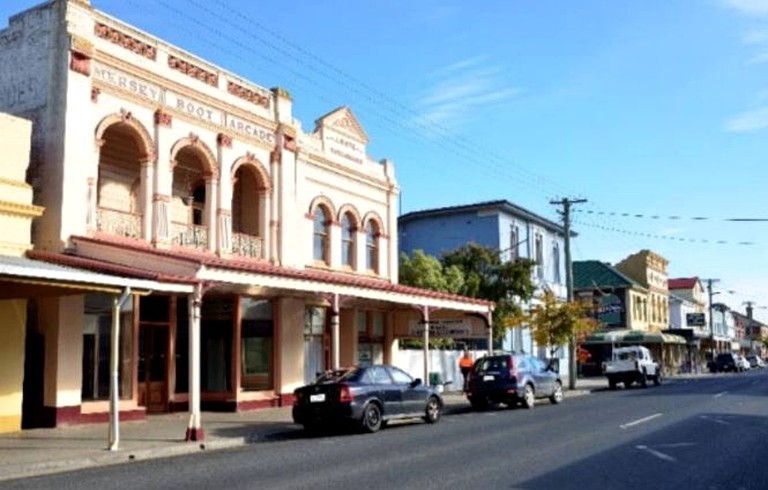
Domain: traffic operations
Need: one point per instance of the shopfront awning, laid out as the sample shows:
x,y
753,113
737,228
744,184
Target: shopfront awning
x,y
632,337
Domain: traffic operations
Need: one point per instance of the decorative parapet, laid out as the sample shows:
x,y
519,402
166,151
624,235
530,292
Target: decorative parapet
x,y
125,41
248,94
193,71
81,54
281,92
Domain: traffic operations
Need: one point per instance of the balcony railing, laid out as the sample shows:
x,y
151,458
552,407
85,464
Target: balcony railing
x,y
247,245
120,223
186,235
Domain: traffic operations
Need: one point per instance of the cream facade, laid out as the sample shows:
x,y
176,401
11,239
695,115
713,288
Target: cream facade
x,y
650,270
159,165
16,215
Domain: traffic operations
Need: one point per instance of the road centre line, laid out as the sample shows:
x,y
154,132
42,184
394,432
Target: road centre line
x,y
640,421
722,393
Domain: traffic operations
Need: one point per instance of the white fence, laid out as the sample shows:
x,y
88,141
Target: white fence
x,y
445,362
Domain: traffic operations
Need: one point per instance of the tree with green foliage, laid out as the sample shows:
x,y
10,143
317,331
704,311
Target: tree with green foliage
x,y
425,271
553,322
486,276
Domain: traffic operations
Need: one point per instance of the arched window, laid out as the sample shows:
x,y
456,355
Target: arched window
x,y
320,244
372,247
348,231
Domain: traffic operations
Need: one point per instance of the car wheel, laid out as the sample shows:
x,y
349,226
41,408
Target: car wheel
x,y
557,395
372,418
643,380
611,383
478,403
628,383
528,400
657,379
433,410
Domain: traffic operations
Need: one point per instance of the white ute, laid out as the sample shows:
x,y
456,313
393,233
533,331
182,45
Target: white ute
x,y
632,364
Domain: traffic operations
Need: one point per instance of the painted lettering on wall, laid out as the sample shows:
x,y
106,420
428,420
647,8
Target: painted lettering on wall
x,y
193,108
344,148
18,94
127,82
249,129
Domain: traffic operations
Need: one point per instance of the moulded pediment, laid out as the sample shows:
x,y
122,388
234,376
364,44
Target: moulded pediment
x,y
342,121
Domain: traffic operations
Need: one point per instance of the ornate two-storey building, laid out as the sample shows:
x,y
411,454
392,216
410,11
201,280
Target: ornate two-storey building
x,y
153,163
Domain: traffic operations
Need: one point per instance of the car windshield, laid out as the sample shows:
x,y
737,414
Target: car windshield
x,y
627,356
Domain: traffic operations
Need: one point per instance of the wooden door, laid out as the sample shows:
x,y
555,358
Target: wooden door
x,y
153,367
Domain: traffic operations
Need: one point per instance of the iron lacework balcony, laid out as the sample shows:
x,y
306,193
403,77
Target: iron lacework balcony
x,y
246,245
119,223
189,235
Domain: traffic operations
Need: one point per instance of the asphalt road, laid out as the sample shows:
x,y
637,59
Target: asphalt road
x,y
709,433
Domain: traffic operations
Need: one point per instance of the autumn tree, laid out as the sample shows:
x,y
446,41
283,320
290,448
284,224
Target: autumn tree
x,y
553,322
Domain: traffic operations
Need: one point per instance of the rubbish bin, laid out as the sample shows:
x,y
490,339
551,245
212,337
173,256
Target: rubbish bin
x,y
436,380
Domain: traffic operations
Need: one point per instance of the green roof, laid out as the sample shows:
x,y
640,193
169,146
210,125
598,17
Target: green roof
x,y
588,274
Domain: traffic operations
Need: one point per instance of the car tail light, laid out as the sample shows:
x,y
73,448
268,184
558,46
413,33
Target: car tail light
x,y
298,398
511,367
345,394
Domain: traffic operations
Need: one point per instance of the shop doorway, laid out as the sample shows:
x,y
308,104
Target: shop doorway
x,y
153,367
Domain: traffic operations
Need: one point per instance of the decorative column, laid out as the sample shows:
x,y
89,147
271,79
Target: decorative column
x,y
211,198
194,427
162,181
147,197
114,362
265,223
223,221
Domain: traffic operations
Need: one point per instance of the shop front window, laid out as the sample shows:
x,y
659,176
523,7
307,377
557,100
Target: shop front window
x,y
256,344
97,340
217,316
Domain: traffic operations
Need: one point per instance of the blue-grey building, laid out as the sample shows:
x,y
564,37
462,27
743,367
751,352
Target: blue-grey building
x,y
513,230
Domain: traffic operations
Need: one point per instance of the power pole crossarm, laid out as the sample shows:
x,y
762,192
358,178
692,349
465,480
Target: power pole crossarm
x,y
566,213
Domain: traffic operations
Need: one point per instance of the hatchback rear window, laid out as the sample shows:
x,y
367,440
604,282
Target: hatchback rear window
x,y
491,364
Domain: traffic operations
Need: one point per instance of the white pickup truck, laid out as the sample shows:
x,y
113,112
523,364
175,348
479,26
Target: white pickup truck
x,y
632,364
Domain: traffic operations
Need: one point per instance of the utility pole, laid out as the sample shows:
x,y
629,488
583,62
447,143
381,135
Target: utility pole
x,y
711,325
566,214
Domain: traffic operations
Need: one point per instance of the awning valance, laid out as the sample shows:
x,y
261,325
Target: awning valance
x,y
632,337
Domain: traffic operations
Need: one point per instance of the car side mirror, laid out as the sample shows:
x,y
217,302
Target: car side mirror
x,y
416,382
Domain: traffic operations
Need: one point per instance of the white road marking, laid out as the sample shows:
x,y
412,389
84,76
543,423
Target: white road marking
x,y
658,454
716,420
640,421
722,393
677,444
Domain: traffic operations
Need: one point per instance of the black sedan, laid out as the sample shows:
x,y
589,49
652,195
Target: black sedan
x,y
365,397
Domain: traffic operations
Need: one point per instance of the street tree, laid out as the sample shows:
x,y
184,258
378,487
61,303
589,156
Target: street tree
x,y
553,322
425,271
486,276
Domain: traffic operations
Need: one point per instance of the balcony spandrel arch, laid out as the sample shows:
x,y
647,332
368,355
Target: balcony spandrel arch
x,y
118,204
193,190
251,193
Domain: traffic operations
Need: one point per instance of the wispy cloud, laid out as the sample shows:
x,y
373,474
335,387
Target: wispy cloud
x,y
749,121
749,7
463,88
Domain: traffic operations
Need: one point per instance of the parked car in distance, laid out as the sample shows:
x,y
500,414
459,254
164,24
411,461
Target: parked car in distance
x,y
513,379
741,363
725,362
365,398
756,362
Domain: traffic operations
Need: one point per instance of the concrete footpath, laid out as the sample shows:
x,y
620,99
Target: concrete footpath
x,y
44,451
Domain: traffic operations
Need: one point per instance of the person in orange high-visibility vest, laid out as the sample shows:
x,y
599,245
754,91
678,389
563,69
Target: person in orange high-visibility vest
x,y
465,366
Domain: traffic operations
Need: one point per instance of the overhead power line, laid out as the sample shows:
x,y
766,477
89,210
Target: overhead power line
x,y
670,217
664,237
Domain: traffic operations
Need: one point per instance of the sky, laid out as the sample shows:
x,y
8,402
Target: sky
x,y
655,112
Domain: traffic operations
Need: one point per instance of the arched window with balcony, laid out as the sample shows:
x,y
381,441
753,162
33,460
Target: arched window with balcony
x,y
189,200
120,186
321,251
372,233
249,201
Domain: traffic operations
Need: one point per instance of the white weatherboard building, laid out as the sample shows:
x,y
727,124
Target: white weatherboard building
x,y
155,164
